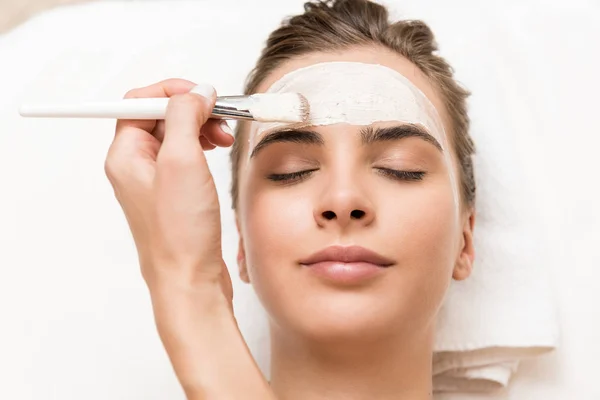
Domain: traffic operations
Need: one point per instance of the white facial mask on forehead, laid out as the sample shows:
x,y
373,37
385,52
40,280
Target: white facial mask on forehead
x,y
357,94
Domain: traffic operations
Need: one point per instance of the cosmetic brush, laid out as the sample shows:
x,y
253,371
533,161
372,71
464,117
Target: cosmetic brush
x,y
264,107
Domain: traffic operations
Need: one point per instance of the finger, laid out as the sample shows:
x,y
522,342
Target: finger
x,y
125,147
206,145
218,132
215,132
186,114
165,88
159,130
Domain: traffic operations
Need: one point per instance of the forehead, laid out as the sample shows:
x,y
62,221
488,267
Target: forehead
x,y
369,55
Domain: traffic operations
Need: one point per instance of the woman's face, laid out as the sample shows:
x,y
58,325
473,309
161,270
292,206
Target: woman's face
x,y
341,235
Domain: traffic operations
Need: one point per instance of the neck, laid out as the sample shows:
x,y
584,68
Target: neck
x,y
384,368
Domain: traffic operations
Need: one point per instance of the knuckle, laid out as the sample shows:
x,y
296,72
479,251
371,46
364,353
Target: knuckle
x,y
110,168
115,166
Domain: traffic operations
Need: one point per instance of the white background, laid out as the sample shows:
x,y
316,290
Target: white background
x,y
76,321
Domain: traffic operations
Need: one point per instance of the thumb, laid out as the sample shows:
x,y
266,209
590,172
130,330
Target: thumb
x,y
186,113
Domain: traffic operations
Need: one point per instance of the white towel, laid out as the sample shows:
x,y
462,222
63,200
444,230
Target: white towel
x,y
505,311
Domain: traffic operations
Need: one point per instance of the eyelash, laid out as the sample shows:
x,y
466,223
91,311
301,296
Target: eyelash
x,y
292,176
392,173
402,175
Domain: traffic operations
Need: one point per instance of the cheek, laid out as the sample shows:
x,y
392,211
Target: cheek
x,y
275,223
421,228
423,222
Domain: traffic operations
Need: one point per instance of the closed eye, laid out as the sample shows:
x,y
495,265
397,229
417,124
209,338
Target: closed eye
x,y
402,175
291,177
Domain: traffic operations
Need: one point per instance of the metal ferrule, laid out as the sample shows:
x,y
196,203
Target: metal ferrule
x,y
232,107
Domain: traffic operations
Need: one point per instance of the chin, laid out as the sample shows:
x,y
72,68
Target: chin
x,y
346,316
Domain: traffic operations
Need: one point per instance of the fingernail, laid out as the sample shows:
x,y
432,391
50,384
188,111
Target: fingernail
x,y
225,128
204,90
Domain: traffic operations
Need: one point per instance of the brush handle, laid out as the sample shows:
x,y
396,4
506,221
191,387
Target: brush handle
x,y
226,107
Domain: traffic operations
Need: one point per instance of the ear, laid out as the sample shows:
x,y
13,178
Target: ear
x,y
241,255
466,255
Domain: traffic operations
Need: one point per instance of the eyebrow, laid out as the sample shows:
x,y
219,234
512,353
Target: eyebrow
x,y
369,135
293,135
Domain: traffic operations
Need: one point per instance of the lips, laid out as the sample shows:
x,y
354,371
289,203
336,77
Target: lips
x,y
347,255
353,265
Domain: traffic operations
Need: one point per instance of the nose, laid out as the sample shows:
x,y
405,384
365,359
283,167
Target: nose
x,y
343,206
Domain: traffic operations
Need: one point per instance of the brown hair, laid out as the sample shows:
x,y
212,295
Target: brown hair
x,y
333,25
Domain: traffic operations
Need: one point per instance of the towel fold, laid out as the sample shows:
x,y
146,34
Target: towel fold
x,y
476,378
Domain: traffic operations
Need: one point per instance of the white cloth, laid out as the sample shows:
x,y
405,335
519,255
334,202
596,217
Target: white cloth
x,y
500,315
505,311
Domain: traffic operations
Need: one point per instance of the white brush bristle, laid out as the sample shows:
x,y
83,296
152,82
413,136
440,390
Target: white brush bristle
x,y
279,107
